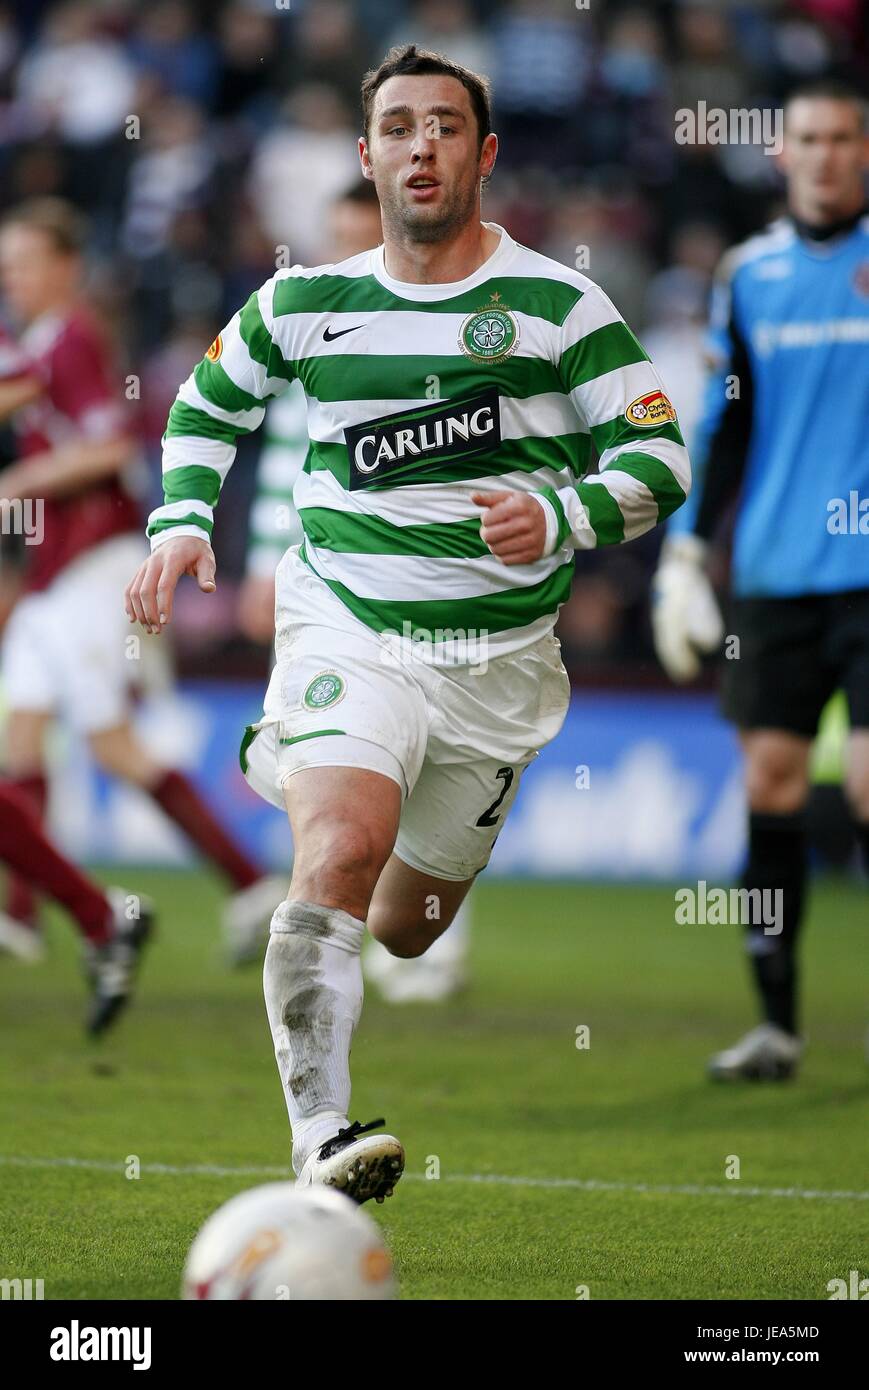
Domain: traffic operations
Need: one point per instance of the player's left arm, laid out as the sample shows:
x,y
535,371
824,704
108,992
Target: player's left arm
x,y
644,473
643,469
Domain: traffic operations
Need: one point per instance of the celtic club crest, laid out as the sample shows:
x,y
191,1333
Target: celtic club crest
x,y
324,690
490,334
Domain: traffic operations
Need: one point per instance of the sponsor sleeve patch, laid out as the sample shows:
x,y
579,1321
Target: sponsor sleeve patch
x,y
215,350
650,410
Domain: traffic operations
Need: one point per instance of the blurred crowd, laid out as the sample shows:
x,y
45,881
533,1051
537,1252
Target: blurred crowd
x,y
206,137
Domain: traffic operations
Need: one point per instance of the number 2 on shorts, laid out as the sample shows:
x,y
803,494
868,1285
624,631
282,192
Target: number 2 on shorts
x,y
505,775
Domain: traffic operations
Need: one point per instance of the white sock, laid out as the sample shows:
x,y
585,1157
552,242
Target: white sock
x,y
312,981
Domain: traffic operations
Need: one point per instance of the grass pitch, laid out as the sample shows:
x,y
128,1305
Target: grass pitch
x,y
560,1168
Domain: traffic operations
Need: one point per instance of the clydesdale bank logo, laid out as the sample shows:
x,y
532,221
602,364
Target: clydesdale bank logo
x,y
396,449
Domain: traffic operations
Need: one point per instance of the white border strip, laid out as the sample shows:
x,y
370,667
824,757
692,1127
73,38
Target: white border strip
x,y
210,1170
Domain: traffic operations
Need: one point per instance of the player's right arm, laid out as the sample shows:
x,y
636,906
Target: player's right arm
x,y
686,619
224,397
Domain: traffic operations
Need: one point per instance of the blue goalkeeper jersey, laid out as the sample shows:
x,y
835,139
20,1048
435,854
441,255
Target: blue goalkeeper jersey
x,y
786,418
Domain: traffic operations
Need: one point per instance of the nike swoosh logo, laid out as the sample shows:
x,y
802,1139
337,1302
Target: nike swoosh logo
x,y
329,336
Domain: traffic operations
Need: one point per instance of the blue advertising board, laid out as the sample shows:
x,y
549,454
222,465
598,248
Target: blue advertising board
x,y
635,787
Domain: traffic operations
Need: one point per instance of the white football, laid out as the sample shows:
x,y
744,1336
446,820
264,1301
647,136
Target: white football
x,y
282,1242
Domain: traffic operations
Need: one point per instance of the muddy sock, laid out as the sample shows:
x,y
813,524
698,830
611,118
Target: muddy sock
x,y
312,981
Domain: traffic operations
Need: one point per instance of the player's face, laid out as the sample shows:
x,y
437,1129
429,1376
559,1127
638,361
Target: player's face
x,y
34,275
424,155
824,155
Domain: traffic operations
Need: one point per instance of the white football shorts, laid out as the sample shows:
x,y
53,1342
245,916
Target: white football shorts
x,y
456,738
70,649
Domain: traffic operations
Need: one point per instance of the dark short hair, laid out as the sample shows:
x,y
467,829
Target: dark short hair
x,y
833,89
406,60
56,218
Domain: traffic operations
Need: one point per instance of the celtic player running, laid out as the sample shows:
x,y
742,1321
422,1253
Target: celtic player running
x,y
456,383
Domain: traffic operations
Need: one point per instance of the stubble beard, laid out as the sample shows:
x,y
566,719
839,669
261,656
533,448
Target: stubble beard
x,y
419,226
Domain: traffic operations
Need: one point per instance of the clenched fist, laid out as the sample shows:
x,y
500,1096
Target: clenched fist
x,y
513,526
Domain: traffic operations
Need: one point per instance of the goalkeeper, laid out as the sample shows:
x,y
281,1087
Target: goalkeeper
x,y
784,435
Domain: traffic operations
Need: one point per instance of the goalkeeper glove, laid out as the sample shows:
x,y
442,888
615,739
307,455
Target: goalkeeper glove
x,y
686,619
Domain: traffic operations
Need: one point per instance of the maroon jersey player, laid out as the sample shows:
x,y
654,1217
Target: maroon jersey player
x,y
64,649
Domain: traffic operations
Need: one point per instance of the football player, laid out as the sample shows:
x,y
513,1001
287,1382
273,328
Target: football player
x,y
785,438
64,646
455,382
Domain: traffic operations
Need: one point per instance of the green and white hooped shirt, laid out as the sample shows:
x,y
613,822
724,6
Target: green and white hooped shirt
x,y
418,395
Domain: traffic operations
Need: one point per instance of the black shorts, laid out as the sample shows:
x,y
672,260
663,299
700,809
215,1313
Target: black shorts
x,y
793,654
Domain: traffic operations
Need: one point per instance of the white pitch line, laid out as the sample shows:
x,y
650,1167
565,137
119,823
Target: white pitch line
x,y
211,1170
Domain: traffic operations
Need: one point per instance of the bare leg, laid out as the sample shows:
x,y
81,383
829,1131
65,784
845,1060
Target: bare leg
x,y
25,742
120,751
410,910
